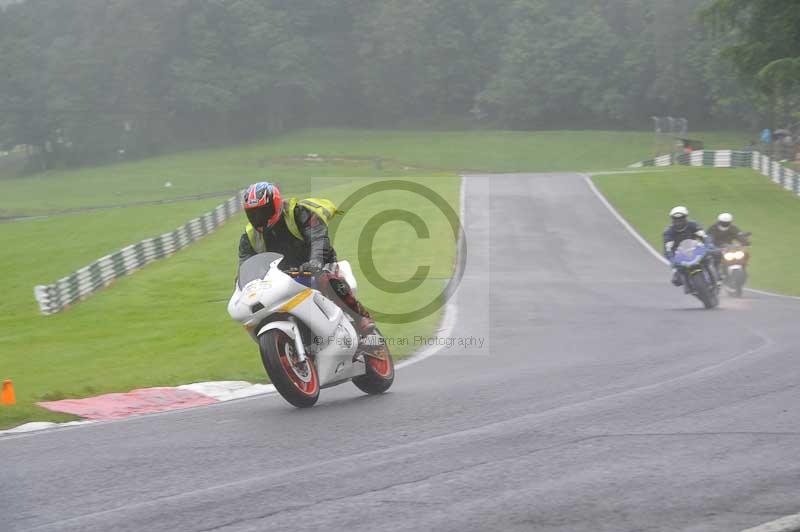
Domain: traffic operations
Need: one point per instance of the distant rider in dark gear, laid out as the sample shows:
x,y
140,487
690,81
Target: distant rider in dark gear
x,y
724,233
682,228
299,231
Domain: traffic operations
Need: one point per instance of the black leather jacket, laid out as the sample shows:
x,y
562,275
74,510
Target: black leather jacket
x,y
673,237
316,244
726,238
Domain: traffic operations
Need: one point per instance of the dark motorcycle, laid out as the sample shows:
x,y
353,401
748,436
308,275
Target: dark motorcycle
x,y
693,261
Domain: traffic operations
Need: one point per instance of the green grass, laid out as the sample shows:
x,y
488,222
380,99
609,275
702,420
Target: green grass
x,y
344,153
758,205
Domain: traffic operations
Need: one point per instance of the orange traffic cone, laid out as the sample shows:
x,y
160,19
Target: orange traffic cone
x,y
7,395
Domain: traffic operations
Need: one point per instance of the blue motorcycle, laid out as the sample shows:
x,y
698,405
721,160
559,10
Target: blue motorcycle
x,y
693,260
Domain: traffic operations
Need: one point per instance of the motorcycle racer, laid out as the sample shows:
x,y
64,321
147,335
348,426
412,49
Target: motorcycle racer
x,y
298,229
724,233
682,228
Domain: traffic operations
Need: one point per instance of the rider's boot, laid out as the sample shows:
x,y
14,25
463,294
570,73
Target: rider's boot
x,y
343,296
676,278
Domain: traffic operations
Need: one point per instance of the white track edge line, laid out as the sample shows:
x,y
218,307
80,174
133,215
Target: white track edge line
x,y
450,310
446,328
646,244
622,220
790,523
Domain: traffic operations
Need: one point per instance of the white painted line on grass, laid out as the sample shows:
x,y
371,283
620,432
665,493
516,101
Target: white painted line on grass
x,y
647,245
450,316
450,310
790,523
772,294
623,221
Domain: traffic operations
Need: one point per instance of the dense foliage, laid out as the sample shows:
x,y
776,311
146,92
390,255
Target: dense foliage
x,y
766,51
92,79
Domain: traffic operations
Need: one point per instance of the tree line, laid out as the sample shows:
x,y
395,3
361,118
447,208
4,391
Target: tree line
x,y
90,80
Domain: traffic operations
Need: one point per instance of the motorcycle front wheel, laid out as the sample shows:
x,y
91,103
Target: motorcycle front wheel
x,y
297,382
703,290
738,278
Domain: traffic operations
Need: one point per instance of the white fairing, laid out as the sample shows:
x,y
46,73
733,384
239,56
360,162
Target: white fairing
x,y
333,340
346,271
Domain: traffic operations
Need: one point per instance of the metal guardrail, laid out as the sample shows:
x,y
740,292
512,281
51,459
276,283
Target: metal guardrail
x,y
785,177
86,281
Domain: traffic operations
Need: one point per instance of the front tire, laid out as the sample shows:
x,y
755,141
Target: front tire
x,y
380,372
738,278
297,383
703,290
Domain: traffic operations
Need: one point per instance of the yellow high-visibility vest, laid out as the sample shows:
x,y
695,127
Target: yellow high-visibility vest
x,y
324,209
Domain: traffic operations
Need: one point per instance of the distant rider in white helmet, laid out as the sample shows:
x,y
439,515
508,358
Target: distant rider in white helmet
x,y
724,233
682,228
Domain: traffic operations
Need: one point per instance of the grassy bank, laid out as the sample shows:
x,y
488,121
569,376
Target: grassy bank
x,y
771,213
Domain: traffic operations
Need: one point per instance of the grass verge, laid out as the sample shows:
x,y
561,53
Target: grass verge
x,y
758,205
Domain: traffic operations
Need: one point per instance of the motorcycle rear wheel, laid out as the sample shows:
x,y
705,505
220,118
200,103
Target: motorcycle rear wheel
x,y
380,373
297,383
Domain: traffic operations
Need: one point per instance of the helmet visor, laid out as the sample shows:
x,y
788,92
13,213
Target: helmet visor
x,y
259,216
680,222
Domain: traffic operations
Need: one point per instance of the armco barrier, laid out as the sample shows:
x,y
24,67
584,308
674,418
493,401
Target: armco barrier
x,y
81,284
779,174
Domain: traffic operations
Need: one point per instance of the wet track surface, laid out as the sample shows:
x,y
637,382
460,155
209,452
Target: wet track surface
x,y
602,399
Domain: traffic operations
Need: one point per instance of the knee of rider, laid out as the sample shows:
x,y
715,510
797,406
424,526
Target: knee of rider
x,y
339,286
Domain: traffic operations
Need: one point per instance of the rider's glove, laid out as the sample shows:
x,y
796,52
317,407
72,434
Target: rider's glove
x,y
312,266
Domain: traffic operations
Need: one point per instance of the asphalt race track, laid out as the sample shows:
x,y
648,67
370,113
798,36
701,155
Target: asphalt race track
x,y
602,399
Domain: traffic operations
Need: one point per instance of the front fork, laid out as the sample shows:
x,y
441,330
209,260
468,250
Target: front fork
x,y
292,330
298,341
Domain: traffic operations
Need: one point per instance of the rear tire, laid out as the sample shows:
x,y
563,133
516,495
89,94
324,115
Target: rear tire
x,y
380,373
297,383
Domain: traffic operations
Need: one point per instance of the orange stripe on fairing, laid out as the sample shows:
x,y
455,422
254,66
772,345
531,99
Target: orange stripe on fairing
x,y
296,300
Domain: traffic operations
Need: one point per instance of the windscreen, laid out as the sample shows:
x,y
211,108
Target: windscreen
x,y
687,250
256,267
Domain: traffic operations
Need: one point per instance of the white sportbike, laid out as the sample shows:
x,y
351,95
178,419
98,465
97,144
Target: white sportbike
x,y
306,341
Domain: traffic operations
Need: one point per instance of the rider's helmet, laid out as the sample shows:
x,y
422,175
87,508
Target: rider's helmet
x,y
680,217
263,205
725,220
